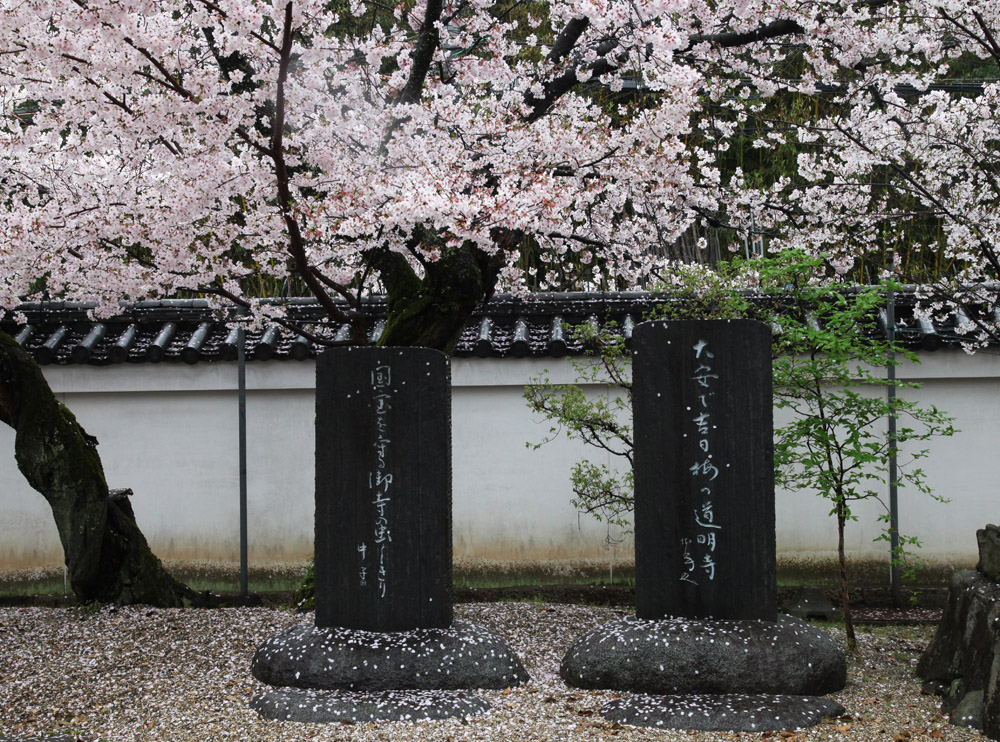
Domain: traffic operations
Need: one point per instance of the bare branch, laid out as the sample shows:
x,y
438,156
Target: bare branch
x,y
340,288
266,42
994,47
559,86
564,44
773,30
243,134
296,327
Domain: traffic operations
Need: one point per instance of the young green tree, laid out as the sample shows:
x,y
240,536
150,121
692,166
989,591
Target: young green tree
x,y
602,421
826,365
828,372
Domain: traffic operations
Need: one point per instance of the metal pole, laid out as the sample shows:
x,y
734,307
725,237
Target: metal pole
x,y
611,557
890,312
241,366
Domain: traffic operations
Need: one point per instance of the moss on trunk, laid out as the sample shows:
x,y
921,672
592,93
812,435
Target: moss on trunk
x,y
107,557
431,312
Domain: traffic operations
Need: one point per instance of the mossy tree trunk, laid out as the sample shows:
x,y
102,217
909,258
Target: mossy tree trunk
x,y
431,311
107,557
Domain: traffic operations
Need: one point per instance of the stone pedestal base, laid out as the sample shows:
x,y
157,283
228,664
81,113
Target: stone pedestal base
x,y
710,675
336,674
680,655
721,712
321,706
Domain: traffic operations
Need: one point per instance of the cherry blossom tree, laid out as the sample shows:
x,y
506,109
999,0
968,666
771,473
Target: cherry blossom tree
x,y
155,147
434,150
901,171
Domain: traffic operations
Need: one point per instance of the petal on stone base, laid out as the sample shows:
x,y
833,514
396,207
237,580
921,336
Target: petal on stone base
x,y
728,712
681,655
323,706
463,656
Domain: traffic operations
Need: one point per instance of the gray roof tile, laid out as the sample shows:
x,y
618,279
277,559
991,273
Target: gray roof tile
x,y
189,331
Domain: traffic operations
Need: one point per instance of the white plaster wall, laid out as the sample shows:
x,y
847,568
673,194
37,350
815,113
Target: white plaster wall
x,y
961,467
170,433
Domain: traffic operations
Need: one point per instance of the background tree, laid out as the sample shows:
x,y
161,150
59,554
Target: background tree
x,y
835,444
894,169
435,150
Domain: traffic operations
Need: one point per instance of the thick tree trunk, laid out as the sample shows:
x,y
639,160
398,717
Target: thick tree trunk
x,y
107,556
431,312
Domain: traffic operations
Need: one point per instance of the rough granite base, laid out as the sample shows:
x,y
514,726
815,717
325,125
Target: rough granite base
x,y
682,655
721,712
322,706
460,657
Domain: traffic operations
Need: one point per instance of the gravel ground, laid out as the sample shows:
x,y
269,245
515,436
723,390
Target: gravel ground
x,y
174,675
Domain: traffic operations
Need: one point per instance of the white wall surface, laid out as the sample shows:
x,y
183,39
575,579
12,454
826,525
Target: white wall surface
x,y
169,432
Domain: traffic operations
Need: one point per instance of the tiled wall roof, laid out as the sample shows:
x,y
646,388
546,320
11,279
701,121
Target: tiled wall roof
x,y
189,331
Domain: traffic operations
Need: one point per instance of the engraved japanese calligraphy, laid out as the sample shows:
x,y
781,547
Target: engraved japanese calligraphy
x,y
704,491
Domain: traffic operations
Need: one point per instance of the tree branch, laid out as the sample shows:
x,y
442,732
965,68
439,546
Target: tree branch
x,y
559,86
242,133
774,29
296,243
169,81
423,54
295,327
994,47
571,33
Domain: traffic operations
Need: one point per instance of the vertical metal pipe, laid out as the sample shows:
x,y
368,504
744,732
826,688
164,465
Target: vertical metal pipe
x,y
241,366
890,312
611,557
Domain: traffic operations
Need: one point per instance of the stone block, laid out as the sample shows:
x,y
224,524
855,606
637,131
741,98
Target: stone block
x,y
704,470
465,655
722,712
383,489
989,552
682,656
326,706
962,662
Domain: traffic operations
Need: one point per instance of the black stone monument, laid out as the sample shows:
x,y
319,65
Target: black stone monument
x,y
704,470
383,645
383,489
706,643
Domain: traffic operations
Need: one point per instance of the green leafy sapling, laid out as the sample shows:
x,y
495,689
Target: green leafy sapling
x,y
828,371
602,421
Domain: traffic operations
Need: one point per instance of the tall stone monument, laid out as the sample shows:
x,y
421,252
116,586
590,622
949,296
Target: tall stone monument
x,y
383,489
704,470
383,645
706,646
